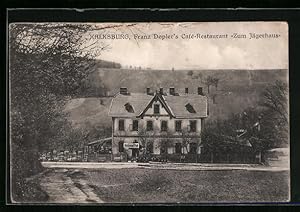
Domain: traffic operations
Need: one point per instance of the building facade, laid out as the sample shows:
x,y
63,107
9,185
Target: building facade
x,y
157,123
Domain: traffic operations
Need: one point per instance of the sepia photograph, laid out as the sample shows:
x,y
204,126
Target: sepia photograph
x,y
148,113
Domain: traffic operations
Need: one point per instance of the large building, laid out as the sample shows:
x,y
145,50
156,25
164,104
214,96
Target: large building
x,y
157,123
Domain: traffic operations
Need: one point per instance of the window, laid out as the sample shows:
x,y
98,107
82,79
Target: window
x,y
186,90
149,125
172,91
156,109
164,126
121,125
149,147
135,125
163,148
178,126
178,148
193,126
121,146
214,99
190,108
193,148
129,108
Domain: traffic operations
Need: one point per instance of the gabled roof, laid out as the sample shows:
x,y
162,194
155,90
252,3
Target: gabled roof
x,y
161,99
175,104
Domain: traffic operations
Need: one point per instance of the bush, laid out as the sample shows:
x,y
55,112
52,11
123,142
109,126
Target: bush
x,y
24,163
28,191
144,158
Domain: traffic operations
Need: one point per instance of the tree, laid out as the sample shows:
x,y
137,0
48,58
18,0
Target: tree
x,y
275,100
186,139
215,82
210,141
146,140
264,126
190,73
276,124
47,64
234,134
211,80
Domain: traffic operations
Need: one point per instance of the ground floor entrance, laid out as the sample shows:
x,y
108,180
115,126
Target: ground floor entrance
x,y
135,153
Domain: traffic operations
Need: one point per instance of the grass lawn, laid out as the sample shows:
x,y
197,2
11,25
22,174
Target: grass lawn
x,y
146,185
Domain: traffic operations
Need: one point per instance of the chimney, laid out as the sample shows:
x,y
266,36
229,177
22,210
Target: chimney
x,y
161,91
148,91
123,91
172,91
186,90
200,91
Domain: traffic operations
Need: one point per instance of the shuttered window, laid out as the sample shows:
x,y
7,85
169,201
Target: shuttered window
x,y
163,148
149,147
156,109
178,126
193,126
164,126
149,126
121,125
193,148
135,125
121,146
178,148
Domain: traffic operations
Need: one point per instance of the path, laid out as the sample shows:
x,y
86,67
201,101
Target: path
x,y
62,189
169,166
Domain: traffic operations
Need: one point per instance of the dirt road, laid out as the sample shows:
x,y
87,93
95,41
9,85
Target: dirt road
x,y
164,166
62,188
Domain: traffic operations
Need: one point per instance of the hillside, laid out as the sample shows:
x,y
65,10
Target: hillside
x,y
237,89
138,80
89,112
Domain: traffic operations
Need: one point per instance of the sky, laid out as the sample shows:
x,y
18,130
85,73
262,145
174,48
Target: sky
x,y
182,53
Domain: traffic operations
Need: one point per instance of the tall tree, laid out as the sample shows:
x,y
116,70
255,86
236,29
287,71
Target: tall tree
x,y
276,121
209,81
275,98
47,64
266,126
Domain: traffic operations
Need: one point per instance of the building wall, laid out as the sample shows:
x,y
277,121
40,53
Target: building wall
x,y
156,145
156,126
157,136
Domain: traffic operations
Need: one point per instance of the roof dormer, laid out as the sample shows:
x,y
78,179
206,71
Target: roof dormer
x,y
129,108
190,108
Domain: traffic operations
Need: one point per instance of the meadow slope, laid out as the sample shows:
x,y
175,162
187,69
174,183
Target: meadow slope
x,y
237,90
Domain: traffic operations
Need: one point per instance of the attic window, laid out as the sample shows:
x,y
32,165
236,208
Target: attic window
x,y
156,108
190,108
129,108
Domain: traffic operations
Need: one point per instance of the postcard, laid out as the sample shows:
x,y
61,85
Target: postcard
x,y
149,113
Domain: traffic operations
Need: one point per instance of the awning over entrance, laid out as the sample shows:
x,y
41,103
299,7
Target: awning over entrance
x,y
100,141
